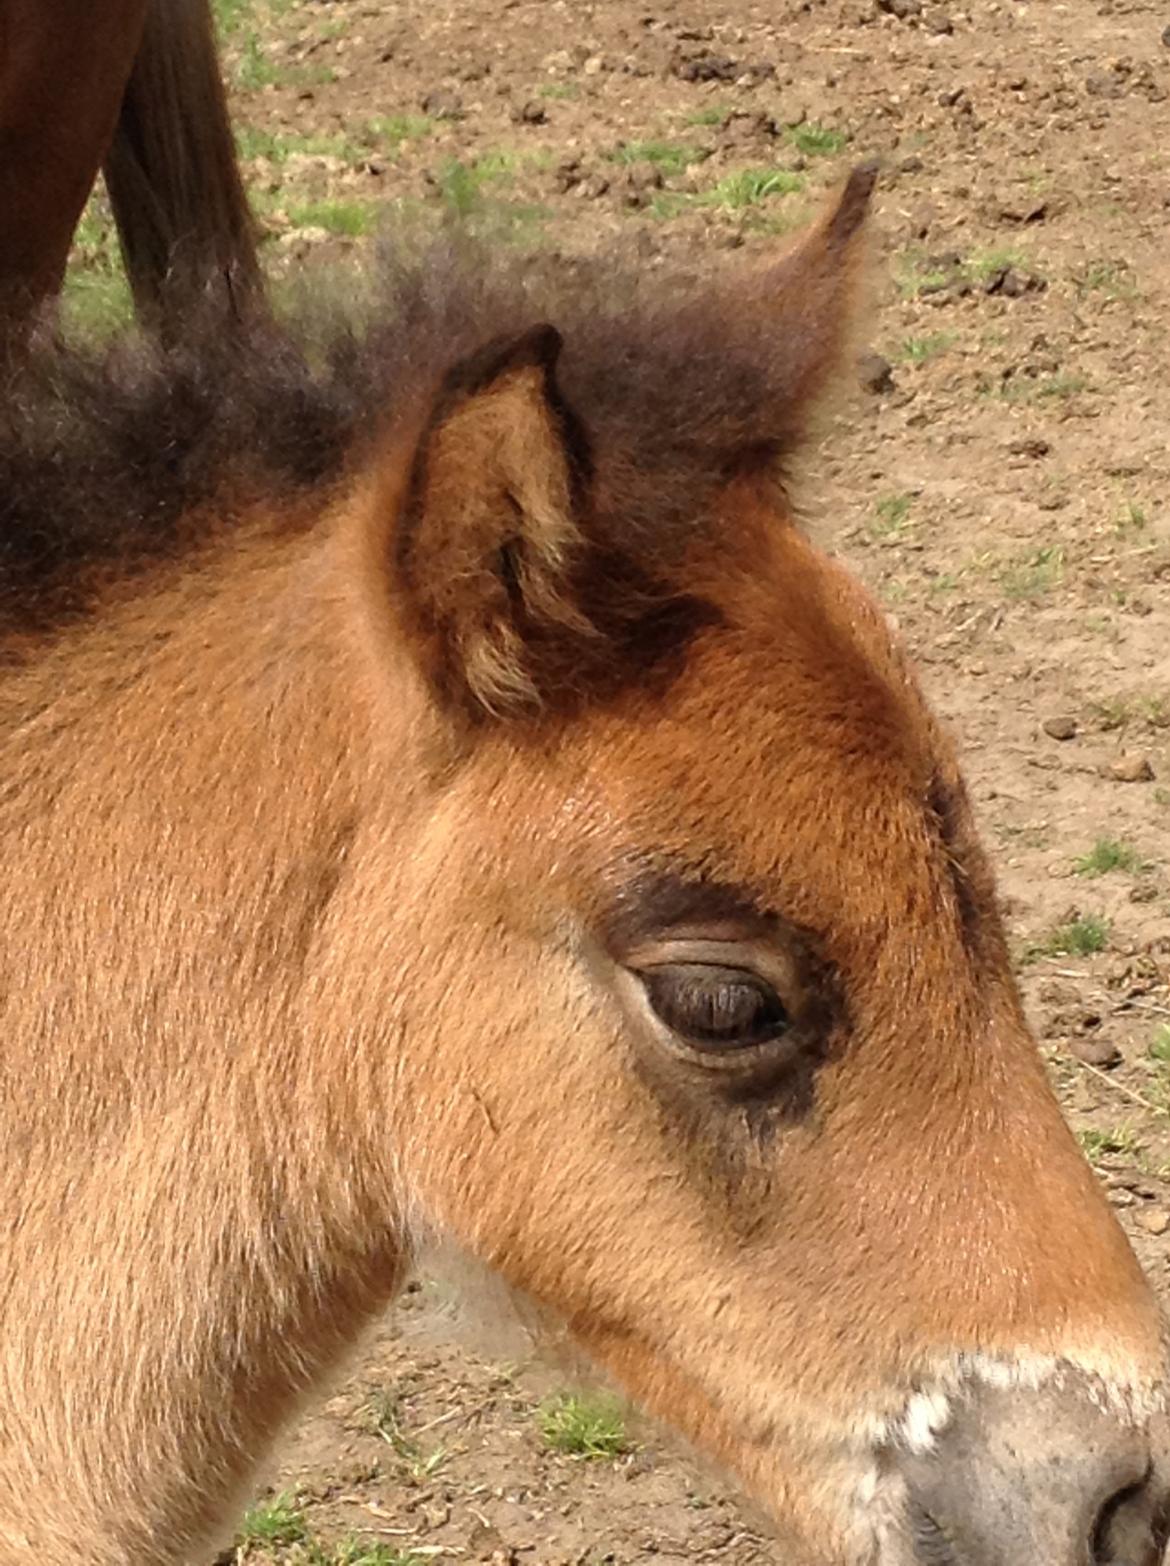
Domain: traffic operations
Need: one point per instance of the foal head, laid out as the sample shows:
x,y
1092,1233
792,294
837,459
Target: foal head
x,y
713,1043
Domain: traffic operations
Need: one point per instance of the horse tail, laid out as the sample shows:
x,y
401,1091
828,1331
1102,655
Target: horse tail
x,y
173,180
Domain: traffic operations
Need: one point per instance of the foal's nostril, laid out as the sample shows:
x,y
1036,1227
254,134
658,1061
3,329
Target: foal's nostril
x,y
1105,1528
1129,1530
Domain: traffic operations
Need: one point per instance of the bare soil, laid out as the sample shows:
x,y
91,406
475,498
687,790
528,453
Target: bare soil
x,y
1004,494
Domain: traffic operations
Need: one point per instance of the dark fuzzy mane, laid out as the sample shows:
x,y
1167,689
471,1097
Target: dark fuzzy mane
x,y
116,458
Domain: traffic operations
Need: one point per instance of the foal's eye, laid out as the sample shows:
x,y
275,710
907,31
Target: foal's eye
x,y
715,1008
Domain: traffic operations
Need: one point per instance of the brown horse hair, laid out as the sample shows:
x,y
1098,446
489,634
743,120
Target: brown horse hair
x,y
73,53
171,173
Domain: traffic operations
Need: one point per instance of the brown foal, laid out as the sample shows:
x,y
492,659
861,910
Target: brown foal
x,y
444,790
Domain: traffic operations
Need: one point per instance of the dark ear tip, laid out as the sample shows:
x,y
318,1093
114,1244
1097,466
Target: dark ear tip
x,y
546,344
539,347
854,203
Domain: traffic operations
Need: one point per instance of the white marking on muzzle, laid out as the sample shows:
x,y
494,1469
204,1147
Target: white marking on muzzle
x,y
926,1414
928,1410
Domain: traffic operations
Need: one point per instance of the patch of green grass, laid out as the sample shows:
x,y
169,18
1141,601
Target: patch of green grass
x,y
668,203
272,1523
386,1421
1078,938
671,157
459,187
1053,388
1106,854
714,114
95,299
253,141
280,1524
1115,1140
1032,574
467,191
913,276
1112,279
1082,937
892,512
928,280
983,264
1038,388
231,15
1112,712
352,1551
519,220
560,90
95,237
461,184
96,303
817,141
1132,518
580,1426
748,187
391,130
920,350
350,218
254,68
1036,179
499,164
750,192
1116,712
1160,1045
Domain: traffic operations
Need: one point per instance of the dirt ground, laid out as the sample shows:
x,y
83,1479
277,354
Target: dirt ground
x,y
1003,489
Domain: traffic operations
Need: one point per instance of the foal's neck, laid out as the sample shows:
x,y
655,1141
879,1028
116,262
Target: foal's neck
x,y
187,1123
186,785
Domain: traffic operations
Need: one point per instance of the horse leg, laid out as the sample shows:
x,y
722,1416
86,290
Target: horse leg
x,y
62,77
174,182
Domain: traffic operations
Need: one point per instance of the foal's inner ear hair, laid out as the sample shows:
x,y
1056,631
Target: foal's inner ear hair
x,y
487,536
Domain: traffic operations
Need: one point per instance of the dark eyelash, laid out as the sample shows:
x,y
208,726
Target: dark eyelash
x,y
715,1007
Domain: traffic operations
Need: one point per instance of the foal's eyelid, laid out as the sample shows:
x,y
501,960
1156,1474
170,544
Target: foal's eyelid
x,y
656,905
718,949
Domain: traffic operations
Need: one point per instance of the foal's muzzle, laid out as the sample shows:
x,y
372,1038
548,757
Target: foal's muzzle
x,y
1037,1478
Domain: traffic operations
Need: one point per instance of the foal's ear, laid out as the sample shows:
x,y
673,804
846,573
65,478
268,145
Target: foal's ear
x,y
815,293
488,533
